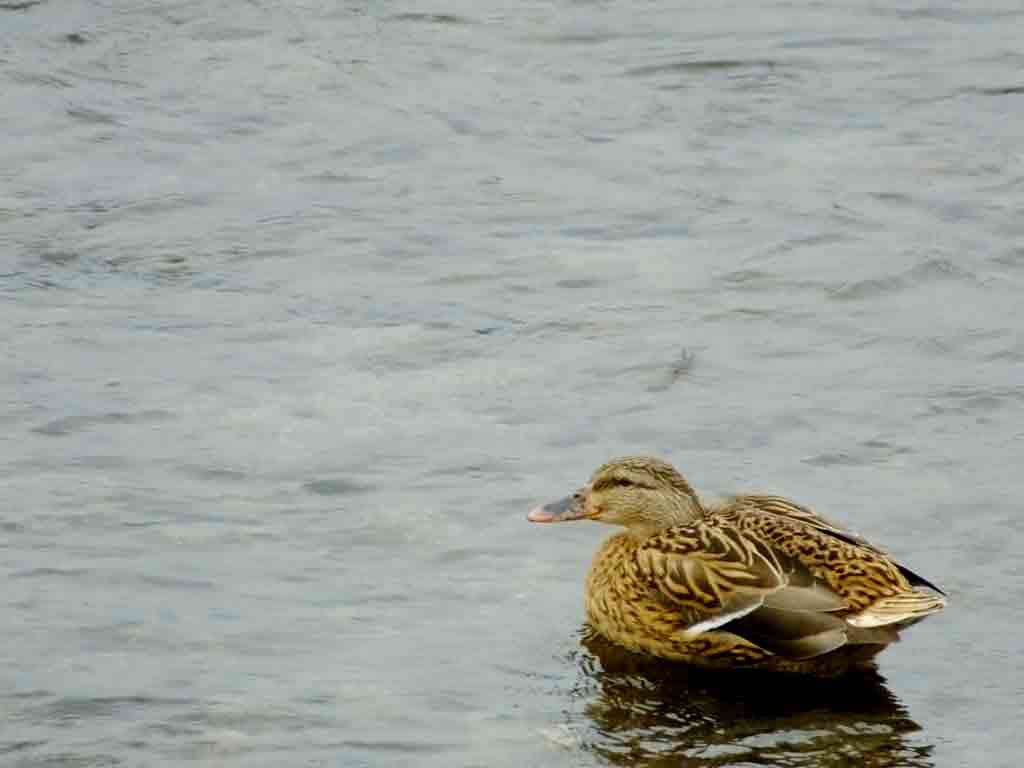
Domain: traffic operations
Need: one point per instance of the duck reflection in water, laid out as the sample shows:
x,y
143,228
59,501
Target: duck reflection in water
x,y
640,711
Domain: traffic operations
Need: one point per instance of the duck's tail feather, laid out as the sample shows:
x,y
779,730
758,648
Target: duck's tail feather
x,y
902,610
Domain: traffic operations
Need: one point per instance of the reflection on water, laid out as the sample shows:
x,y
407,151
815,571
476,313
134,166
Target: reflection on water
x,y
641,712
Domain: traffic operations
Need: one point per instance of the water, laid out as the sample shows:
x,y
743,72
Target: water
x,y
304,305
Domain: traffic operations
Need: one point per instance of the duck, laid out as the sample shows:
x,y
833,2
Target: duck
x,y
754,581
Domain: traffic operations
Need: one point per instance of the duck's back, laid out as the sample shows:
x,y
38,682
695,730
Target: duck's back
x,y
862,573
769,507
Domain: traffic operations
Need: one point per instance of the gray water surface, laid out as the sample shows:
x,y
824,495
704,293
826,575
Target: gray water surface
x,y
305,304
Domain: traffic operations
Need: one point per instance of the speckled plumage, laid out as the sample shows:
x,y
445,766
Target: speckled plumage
x,y
754,581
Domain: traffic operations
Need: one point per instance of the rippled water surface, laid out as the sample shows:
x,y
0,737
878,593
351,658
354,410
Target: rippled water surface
x,y
304,304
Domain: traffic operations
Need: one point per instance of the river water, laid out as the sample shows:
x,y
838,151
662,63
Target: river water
x,y
305,304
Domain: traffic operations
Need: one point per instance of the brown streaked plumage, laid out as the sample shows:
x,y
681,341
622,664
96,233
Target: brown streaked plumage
x,y
753,581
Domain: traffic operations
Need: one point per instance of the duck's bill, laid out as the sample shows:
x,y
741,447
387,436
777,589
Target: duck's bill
x,y
569,508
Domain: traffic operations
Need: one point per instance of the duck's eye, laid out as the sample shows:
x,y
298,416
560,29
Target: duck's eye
x,y
608,483
625,482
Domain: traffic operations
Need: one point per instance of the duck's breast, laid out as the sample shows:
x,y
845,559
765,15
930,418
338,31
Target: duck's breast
x,y
620,604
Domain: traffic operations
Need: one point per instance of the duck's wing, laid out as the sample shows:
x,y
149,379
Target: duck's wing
x,y
717,578
783,507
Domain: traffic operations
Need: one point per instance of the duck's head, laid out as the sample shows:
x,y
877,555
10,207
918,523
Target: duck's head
x,y
643,493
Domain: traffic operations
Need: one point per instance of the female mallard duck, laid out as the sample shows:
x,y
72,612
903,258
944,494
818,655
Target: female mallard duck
x,y
753,581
